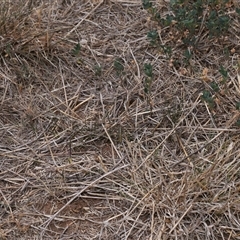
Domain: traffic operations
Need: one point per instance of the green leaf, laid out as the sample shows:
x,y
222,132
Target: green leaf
x,y
238,123
167,21
238,105
166,49
148,69
118,65
157,16
146,4
153,36
207,97
76,50
98,70
214,86
223,72
147,85
187,54
238,11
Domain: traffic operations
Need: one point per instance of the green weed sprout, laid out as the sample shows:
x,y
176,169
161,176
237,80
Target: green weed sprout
x,y
153,37
76,50
224,73
238,123
118,66
98,70
214,86
148,70
191,17
238,105
149,78
147,4
208,98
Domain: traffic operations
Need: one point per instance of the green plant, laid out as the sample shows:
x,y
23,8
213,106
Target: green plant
x,y
238,11
208,98
187,15
148,70
224,74
191,17
147,4
153,37
118,66
238,105
98,70
238,123
76,50
214,86
217,23
187,56
149,78
166,49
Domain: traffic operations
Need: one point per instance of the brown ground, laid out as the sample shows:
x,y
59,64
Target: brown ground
x,y
86,153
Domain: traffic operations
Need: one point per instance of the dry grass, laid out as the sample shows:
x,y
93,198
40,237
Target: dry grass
x,y
90,156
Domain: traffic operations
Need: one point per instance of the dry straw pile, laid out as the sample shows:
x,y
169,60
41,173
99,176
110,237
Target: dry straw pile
x,y
87,153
